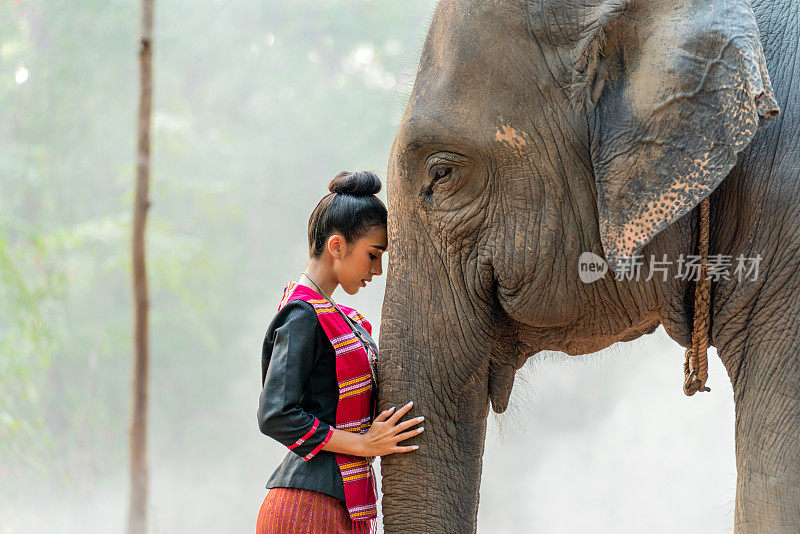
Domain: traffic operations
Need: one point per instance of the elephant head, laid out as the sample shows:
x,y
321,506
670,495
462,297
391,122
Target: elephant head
x,y
536,131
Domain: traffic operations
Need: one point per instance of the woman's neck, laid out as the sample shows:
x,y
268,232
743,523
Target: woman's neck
x,y
321,274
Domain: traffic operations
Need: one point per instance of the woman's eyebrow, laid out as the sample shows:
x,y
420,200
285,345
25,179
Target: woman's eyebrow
x,y
380,247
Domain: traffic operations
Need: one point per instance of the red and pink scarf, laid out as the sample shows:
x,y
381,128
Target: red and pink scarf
x,y
353,411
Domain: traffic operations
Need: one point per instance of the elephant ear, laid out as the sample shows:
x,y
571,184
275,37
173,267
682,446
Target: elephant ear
x,y
676,89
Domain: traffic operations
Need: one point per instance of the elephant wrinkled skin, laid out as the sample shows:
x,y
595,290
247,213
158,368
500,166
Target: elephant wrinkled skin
x,y
538,130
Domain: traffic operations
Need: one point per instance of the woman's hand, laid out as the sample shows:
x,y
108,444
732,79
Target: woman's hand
x,y
384,434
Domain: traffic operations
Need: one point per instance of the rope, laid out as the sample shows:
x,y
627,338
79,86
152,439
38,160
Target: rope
x,y
695,367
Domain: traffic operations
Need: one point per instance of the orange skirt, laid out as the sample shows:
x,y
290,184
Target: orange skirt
x,y
299,511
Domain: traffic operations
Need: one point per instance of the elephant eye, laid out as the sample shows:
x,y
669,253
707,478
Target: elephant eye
x,y
441,166
437,172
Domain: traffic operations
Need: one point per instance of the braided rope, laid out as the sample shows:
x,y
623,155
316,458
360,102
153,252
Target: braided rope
x,y
695,367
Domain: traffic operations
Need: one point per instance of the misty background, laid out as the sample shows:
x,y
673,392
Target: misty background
x,y
257,105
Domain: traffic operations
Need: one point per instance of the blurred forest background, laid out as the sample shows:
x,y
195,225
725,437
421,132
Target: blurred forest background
x,y
256,106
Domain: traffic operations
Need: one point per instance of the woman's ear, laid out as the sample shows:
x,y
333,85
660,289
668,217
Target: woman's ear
x,y
335,246
675,89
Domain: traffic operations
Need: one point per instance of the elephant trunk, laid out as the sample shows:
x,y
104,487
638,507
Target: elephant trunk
x,y
424,358
435,488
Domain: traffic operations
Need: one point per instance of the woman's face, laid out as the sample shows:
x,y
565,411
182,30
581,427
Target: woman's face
x,y
361,260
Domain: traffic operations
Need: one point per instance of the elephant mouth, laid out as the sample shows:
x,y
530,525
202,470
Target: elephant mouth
x,y
647,326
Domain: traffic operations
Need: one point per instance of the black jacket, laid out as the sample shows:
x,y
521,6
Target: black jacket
x,y
300,390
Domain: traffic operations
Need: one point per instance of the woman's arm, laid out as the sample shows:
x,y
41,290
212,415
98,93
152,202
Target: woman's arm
x,y
281,416
381,438
284,371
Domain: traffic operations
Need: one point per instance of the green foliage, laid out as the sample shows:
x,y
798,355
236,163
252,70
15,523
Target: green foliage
x,y
27,289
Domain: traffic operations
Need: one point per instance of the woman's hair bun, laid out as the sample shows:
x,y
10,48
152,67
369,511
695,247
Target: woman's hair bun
x,y
361,183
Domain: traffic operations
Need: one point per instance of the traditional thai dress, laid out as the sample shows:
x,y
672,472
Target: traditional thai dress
x,y
315,376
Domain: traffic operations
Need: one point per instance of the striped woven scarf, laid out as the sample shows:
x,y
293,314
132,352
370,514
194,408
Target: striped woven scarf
x,y
353,409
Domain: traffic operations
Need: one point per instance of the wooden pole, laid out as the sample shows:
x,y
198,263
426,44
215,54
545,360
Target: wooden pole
x,y
137,511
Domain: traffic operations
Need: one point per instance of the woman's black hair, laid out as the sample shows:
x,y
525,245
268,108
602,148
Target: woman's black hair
x,y
351,209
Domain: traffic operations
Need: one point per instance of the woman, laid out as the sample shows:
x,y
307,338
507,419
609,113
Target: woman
x,y
318,375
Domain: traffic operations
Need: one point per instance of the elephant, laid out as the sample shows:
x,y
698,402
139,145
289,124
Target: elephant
x,y
540,130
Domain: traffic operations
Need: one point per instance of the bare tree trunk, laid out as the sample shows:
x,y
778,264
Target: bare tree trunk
x,y
137,512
